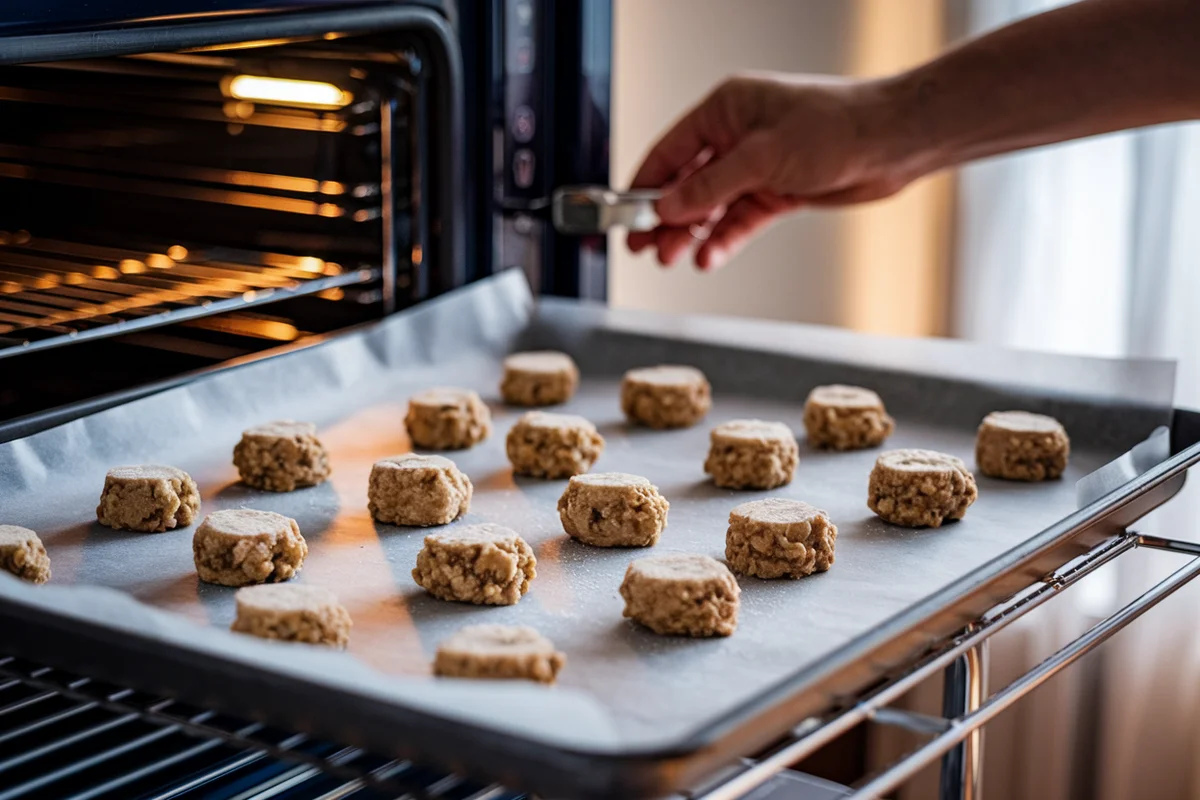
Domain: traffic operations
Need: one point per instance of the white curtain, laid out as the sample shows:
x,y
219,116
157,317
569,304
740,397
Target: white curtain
x,y
1093,247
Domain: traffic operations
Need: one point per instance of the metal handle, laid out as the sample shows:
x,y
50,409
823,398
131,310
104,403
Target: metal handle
x,y
948,733
587,210
959,728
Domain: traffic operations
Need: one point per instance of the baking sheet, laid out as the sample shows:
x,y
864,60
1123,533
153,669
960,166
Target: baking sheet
x,y
623,688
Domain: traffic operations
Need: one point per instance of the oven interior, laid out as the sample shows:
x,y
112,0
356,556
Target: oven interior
x,y
165,212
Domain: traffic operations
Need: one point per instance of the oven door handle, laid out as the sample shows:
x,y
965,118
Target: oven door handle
x,y
591,210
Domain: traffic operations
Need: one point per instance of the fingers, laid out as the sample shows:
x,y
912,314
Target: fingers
x,y
743,170
689,139
746,217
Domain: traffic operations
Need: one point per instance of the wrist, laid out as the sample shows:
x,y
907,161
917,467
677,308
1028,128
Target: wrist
x,y
898,141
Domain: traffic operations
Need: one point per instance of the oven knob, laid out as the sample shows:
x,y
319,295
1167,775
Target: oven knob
x,y
523,124
523,168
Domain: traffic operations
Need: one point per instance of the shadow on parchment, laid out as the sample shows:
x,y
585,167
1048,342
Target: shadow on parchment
x,y
187,595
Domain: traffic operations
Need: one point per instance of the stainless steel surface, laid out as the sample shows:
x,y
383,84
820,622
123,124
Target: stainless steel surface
x,y
589,210
966,725
624,691
814,733
64,735
965,688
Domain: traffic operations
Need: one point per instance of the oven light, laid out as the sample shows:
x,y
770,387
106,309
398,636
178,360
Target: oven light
x,y
287,92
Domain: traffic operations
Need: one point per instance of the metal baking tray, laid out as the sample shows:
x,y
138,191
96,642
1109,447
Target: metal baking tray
x,y
634,714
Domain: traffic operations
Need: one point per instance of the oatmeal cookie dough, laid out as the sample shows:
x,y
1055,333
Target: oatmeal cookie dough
x,y
539,378
920,488
240,546
498,651
1021,446
613,509
681,594
447,419
23,554
293,613
482,564
281,456
148,498
779,538
840,417
545,445
665,396
752,454
418,490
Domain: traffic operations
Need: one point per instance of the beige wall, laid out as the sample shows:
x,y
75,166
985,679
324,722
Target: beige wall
x,y
877,268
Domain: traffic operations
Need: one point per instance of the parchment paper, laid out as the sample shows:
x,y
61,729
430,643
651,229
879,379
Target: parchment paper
x,y
623,687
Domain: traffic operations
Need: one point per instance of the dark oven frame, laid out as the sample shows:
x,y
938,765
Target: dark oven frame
x,y
427,23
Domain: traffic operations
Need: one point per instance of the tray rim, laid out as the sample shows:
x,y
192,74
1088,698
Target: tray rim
x,y
649,770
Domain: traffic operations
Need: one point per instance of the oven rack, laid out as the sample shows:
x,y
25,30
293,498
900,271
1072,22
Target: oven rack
x,y
53,292
66,736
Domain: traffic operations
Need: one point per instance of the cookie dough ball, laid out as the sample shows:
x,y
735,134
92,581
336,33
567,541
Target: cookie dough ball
x,y
281,456
447,419
920,488
293,613
23,554
545,445
418,490
681,594
539,378
613,509
241,546
779,538
482,564
148,498
752,454
1021,446
665,396
846,418
499,651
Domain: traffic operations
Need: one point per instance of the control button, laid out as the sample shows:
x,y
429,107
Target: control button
x,y
524,12
523,124
523,168
523,56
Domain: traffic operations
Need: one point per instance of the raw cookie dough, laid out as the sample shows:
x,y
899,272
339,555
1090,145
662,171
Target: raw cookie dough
x,y
281,456
613,509
539,378
752,454
498,651
447,419
545,445
681,594
920,488
1021,446
292,612
23,554
779,538
148,498
482,564
236,547
418,490
665,396
846,418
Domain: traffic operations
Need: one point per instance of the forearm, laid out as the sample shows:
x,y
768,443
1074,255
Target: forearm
x,y
1089,68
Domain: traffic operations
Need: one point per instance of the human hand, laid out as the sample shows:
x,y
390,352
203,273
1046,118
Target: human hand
x,y
759,146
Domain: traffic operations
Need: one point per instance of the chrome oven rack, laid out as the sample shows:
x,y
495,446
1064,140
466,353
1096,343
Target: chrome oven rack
x,y
54,292
66,736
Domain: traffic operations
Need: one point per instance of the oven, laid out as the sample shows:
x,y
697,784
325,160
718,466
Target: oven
x,y
192,184
200,196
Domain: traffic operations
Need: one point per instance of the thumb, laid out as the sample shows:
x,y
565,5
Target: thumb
x,y
719,182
